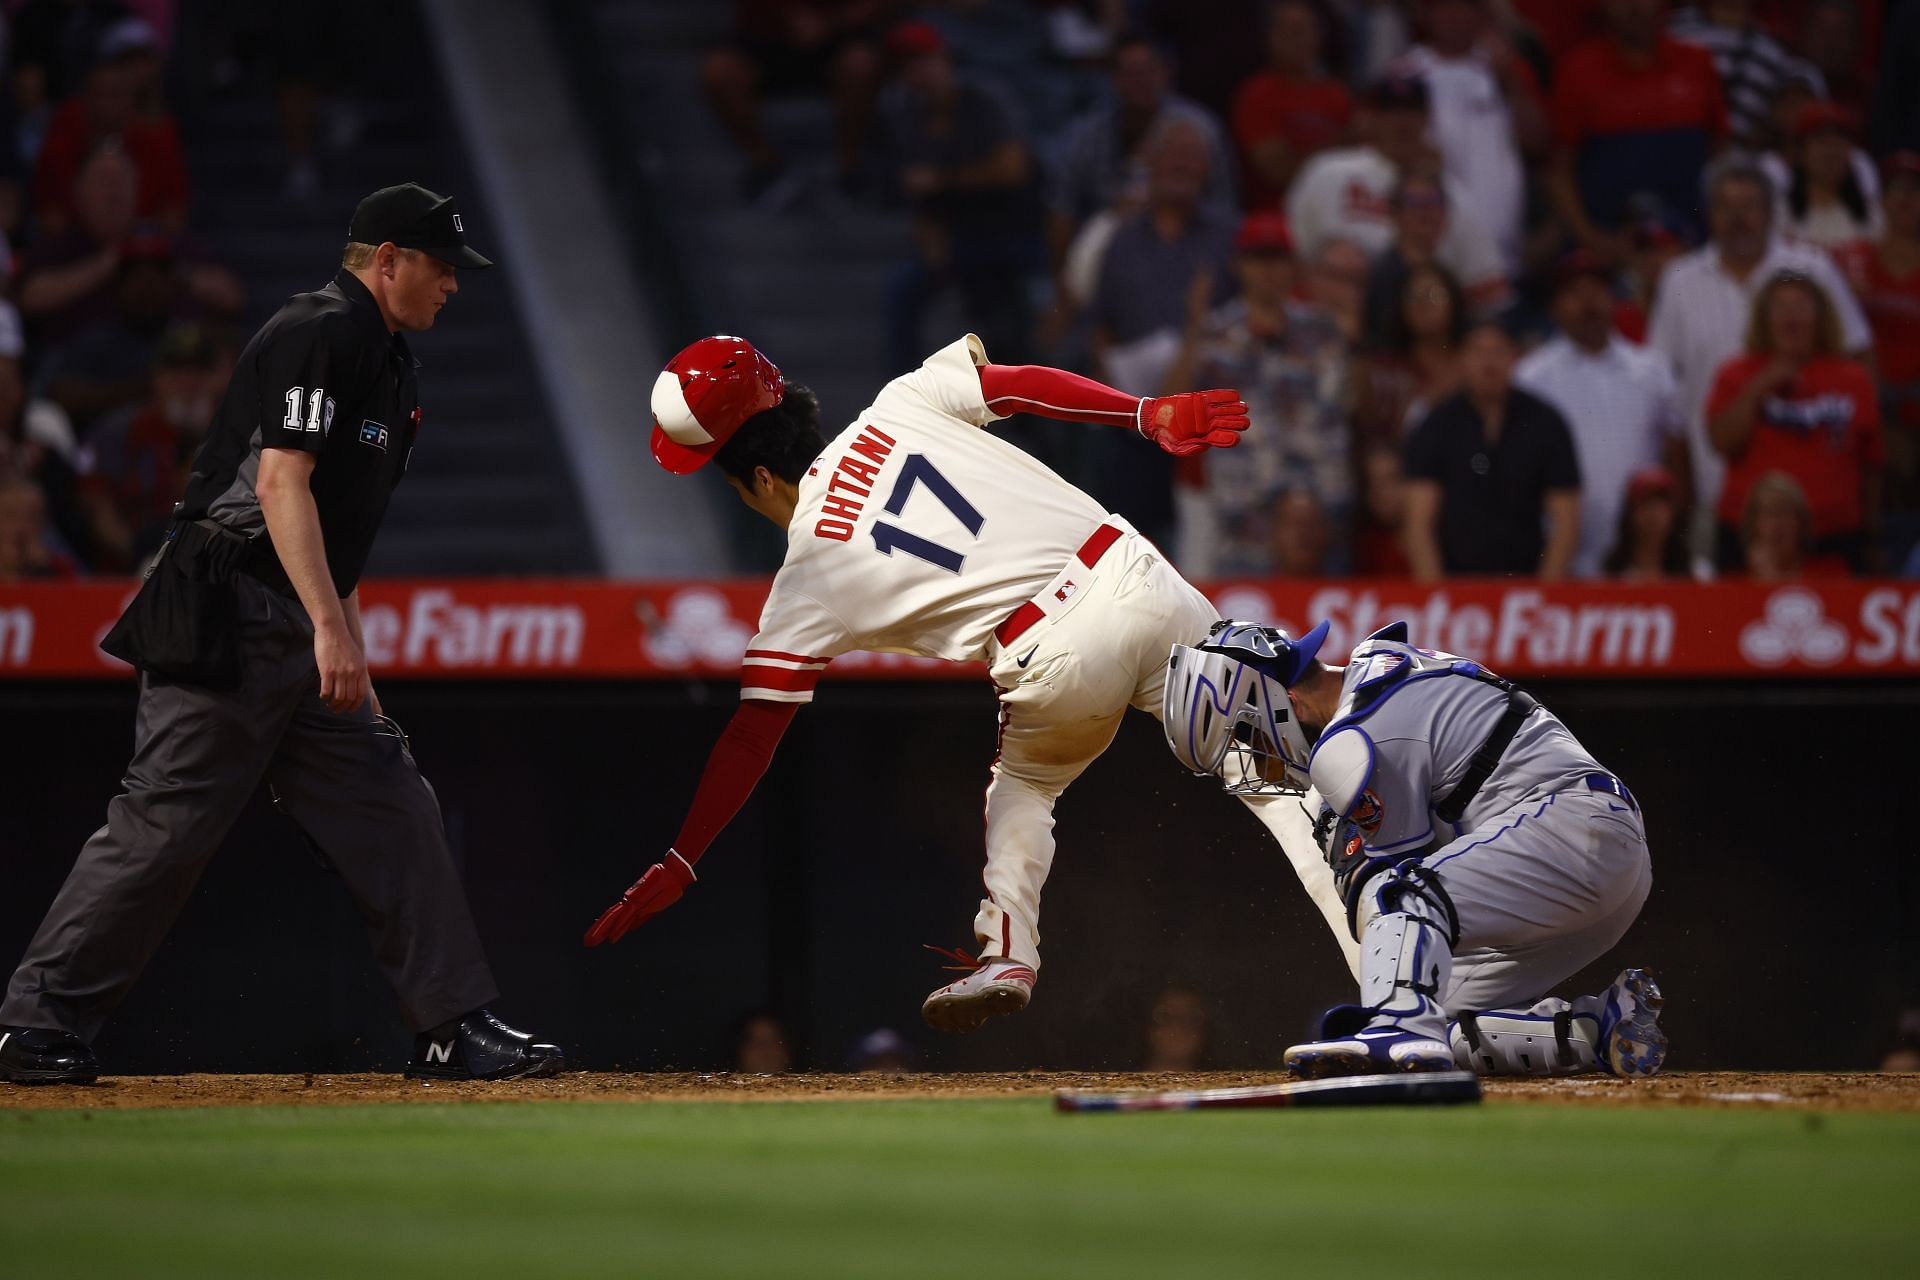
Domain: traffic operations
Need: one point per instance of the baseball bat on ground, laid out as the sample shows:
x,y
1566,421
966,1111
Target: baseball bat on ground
x,y
1411,1088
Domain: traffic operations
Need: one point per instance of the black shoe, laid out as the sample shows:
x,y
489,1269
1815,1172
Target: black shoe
x,y
31,1055
481,1047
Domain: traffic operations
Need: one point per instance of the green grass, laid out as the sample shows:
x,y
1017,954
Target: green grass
x,y
987,1190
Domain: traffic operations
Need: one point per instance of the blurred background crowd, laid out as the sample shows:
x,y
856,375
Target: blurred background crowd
x,y
117,329
1558,287
1567,288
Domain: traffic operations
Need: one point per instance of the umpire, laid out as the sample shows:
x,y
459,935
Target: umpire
x,y
247,635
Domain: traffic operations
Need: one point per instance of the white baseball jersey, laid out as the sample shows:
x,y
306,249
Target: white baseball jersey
x,y
915,532
1408,723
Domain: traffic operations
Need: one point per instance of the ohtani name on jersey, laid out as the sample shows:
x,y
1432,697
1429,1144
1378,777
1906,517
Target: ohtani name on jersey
x,y
851,484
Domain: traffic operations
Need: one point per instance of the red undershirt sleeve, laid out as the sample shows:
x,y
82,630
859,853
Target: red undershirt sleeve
x,y
734,769
1055,393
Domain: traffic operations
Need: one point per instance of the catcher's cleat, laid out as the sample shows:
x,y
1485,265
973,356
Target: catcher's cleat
x,y
33,1055
1374,1051
998,986
1630,1025
481,1047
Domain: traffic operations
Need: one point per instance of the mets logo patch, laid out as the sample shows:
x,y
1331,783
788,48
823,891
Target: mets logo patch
x,y
1367,812
374,434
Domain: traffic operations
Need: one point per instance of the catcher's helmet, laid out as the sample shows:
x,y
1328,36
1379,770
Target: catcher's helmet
x,y
1226,711
704,394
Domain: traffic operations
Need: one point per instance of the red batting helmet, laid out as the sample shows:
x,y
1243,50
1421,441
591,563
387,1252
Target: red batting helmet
x,y
704,394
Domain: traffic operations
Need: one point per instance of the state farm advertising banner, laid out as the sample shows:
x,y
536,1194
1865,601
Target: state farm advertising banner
x,y
539,629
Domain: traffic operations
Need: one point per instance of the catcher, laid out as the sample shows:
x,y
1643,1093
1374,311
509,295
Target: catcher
x,y
1482,853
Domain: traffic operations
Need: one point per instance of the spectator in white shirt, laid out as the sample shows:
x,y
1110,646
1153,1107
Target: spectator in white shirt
x,y
1349,192
1619,400
1486,112
1705,300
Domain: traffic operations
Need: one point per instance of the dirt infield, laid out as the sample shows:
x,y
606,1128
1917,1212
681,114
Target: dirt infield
x,y
1852,1092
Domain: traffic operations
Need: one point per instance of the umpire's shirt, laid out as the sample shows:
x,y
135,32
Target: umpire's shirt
x,y
323,376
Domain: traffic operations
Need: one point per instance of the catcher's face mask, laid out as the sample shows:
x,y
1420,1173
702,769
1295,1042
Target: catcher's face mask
x,y
1225,715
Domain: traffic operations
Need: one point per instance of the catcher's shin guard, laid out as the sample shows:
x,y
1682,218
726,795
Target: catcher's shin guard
x,y
1405,962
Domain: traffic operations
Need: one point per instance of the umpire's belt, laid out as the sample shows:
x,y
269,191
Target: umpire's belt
x,y
1063,587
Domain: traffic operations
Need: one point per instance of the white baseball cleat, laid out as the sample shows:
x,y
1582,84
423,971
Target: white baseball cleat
x,y
998,986
1630,1025
1374,1051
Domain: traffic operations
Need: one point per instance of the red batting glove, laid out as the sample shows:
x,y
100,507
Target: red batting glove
x,y
651,894
1192,421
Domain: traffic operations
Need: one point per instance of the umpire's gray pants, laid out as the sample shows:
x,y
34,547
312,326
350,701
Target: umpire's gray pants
x,y
198,756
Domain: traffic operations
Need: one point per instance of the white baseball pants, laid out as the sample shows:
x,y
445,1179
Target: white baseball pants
x,y
1065,683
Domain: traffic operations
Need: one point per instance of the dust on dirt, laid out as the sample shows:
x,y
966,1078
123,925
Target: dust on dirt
x,y
1794,1091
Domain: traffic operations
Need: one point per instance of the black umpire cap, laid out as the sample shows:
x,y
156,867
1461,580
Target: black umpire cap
x,y
415,218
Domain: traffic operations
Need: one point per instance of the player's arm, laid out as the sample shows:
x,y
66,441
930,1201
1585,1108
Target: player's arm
x,y
293,522
1179,424
734,768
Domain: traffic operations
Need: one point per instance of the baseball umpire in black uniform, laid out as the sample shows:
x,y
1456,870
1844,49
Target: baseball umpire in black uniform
x,y
252,667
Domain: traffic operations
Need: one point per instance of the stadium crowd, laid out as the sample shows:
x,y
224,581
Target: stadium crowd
x,y
1549,287
117,329
1559,287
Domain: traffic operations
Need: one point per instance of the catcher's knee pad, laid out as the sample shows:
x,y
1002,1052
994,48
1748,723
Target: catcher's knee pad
x,y
1415,890
1505,1042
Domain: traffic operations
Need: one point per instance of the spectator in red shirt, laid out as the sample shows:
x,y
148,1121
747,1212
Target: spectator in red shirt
x,y
67,280
141,461
1292,109
1886,278
1795,404
106,112
1636,117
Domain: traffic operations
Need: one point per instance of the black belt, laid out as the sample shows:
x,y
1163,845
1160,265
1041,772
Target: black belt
x,y
1520,705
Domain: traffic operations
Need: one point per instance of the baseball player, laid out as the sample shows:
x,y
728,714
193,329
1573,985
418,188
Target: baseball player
x,y
1483,854
915,531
